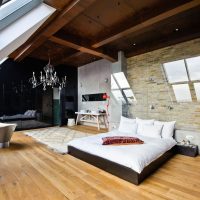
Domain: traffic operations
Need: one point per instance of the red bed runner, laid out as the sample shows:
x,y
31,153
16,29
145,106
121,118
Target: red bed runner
x,y
121,140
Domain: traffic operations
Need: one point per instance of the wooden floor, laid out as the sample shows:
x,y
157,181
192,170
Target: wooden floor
x,y
29,171
89,129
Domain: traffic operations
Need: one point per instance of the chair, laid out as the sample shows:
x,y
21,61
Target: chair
x,y
6,132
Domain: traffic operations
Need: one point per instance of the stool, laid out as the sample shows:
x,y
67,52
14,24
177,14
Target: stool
x,y
71,122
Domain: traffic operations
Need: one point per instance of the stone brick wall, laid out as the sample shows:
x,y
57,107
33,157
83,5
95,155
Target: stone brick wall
x,y
146,77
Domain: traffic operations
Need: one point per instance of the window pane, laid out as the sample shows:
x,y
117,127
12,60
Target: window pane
x,y
113,83
197,90
121,79
182,93
176,71
194,68
129,95
118,95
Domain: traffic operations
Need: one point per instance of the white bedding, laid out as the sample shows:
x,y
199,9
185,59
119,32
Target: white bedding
x,y
136,156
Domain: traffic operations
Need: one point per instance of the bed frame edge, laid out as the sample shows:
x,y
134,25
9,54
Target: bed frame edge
x,y
119,170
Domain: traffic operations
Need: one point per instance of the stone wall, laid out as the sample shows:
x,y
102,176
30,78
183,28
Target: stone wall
x,y
146,77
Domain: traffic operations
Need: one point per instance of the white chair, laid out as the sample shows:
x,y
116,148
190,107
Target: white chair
x,y
6,132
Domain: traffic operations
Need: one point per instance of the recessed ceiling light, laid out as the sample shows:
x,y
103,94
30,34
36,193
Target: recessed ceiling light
x,y
177,29
134,44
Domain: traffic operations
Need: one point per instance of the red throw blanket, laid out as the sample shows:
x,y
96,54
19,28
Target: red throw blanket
x,y
121,140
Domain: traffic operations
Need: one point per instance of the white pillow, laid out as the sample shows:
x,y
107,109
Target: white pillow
x,y
33,113
26,113
168,128
127,125
153,131
29,114
143,121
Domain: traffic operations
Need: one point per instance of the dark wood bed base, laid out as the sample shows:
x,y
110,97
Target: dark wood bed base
x,y
119,170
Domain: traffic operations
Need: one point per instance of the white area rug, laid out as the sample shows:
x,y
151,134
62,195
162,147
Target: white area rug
x,y
56,138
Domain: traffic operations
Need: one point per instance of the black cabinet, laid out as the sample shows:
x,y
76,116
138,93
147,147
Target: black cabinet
x,y
68,108
188,150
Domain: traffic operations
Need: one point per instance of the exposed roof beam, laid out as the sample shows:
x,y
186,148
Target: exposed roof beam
x,y
67,15
81,48
148,22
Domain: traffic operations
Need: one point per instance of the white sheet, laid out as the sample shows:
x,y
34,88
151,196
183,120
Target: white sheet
x,y
136,157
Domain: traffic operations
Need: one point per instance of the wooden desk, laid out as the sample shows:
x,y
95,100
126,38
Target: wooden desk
x,y
92,118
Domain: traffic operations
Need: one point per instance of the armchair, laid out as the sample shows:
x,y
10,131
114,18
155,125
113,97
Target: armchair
x,y
6,132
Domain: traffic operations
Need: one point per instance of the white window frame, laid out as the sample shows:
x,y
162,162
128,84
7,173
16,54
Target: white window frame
x,y
124,99
182,82
189,97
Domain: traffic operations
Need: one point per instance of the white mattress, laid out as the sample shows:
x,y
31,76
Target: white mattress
x,y
136,156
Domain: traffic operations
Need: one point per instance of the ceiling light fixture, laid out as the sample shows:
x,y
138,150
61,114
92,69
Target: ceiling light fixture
x,y
177,29
50,78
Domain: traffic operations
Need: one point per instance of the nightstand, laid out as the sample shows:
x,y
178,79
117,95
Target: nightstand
x,y
188,150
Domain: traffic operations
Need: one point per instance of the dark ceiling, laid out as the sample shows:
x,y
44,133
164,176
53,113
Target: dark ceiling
x,y
82,31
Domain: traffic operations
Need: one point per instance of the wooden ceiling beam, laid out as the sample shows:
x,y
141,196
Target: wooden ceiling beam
x,y
81,48
67,15
149,22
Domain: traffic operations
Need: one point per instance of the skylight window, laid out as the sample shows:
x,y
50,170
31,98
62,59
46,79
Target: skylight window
x,y
13,36
197,90
121,79
113,84
193,65
129,95
181,72
176,71
120,88
118,95
182,93
11,7
10,11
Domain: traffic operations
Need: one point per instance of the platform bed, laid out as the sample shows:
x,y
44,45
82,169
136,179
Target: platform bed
x,y
121,171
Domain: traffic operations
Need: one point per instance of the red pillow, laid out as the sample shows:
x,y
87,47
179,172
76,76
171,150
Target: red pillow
x,y
121,140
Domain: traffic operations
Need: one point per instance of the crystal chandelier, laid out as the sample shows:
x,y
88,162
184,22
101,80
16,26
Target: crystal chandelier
x,y
48,79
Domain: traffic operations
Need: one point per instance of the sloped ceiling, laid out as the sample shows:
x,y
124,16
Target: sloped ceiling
x,y
86,30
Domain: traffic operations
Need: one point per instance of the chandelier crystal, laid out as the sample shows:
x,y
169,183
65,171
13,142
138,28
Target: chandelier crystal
x,y
49,78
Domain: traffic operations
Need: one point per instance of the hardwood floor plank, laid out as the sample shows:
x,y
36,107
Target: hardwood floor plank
x,y
3,193
171,185
88,129
30,171
30,180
